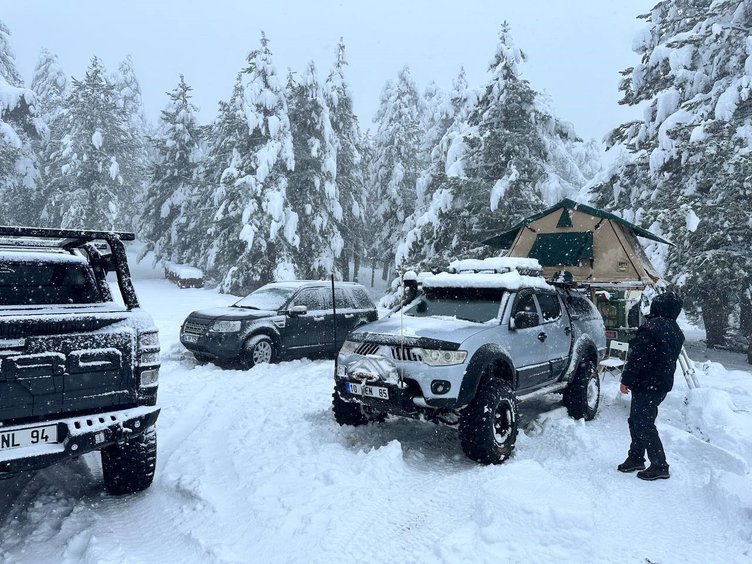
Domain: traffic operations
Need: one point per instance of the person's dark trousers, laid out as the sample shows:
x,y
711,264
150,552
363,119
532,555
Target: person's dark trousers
x,y
645,437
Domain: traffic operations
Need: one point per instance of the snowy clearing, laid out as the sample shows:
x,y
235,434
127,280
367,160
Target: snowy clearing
x,y
253,468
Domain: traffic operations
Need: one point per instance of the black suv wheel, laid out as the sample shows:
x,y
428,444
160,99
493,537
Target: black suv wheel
x,y
129,468
488,425
257,350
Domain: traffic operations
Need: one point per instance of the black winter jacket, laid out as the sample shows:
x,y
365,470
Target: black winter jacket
x,y
655,348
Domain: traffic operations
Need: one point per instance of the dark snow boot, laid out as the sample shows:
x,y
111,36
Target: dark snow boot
x,y
630,465
654,473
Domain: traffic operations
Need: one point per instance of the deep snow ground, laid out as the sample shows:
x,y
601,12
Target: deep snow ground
x,y
253,468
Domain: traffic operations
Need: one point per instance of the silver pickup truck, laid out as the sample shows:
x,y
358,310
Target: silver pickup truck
x,y
468,348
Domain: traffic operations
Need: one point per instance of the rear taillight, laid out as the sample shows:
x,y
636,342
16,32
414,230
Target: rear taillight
x,y
148,348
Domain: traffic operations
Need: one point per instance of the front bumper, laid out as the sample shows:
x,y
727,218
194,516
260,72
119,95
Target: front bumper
x,y
77,436
220,346
400,400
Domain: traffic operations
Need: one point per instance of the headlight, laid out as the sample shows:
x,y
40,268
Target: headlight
x,y
226,326
434,357
348,347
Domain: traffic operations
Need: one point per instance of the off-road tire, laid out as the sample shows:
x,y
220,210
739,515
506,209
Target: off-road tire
x,y
129,467
488,425
582,395
346,412
258,349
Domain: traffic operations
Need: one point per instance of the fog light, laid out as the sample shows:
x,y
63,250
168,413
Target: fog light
x,y
74,446
149,378
440,387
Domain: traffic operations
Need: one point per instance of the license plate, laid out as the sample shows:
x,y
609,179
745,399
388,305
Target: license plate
x,y
366,390
28,437
190,338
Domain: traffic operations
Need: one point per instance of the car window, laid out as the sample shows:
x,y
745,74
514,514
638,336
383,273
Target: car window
x,y
343,299
525,302
549,305
312,298
25,283
581,308
361,298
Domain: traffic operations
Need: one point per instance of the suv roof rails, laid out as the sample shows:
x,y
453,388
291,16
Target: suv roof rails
x,y
69,237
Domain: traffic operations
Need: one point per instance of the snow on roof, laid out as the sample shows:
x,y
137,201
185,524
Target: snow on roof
x,y
498,264
26,255
507,281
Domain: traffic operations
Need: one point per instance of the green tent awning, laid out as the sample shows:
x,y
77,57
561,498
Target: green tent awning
x,y
562,249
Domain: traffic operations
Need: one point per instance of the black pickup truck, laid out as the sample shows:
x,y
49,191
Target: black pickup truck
x,y
78,371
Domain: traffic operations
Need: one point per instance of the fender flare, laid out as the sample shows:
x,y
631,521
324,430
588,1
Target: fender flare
x,y
267,329
486,355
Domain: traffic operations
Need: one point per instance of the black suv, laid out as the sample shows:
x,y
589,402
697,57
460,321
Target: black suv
x,y
78,372
278,321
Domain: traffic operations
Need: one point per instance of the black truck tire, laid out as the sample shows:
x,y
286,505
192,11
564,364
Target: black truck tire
x,y
582,395
258,349
346,412
129,467
489,424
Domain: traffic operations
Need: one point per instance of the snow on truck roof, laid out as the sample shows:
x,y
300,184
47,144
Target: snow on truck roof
x,y
40,256
505,273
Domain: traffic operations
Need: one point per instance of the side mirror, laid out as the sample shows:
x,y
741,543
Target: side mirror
x,y
297,310
524,320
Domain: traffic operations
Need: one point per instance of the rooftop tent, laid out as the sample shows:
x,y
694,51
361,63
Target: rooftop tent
x,y
596,247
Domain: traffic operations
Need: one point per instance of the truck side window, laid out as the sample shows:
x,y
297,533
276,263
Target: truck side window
x,y
524,302
549,304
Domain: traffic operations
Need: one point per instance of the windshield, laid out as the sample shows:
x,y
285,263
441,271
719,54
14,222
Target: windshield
x,y
270,298
471,304
46,284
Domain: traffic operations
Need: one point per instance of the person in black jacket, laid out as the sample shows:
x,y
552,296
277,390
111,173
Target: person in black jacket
x,y
649,375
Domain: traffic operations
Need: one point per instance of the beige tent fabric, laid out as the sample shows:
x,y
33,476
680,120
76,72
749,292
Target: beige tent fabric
x,y
618,258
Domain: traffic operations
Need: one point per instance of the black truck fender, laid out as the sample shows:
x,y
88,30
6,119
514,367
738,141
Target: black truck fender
x,y
490,354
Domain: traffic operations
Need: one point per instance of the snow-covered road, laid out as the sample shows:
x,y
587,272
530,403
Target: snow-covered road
x,y
253,468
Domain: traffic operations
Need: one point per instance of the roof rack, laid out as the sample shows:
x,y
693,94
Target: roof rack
x,y
66,237
498,265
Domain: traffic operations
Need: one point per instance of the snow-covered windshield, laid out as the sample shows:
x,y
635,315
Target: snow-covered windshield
x,y
471,304
270,298
38,283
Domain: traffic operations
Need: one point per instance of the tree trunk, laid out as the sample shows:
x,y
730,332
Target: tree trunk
x,y
356,265
745,314
385,272
373,272
714,316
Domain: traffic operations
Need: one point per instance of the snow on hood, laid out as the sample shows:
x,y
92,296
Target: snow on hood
x,y
440,328
232,313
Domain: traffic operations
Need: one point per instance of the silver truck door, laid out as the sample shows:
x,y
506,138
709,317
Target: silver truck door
x,y
529,351
556,328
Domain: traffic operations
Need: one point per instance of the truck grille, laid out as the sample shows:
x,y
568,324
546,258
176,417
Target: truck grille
x,y
192,328
367,348
404,353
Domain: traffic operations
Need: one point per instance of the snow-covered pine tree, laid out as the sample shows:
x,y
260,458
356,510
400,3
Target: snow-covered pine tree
x,y
506,160
90,182
685,167
129,98
396,163
171,197
350,171
49,85
252,231
20,126
312,186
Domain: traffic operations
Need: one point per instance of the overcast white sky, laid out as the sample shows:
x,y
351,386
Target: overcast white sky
x,y
575,48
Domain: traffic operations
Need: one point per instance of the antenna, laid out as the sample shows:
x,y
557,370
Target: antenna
x,y
334,325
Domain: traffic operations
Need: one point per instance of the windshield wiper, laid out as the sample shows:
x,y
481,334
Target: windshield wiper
x,y
244,306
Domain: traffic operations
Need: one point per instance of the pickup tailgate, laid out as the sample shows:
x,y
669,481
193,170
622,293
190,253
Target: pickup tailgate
x,y
65,361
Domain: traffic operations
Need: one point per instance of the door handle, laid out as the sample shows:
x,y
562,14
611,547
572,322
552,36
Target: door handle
x,y
567,330
349,315
318,319
542,336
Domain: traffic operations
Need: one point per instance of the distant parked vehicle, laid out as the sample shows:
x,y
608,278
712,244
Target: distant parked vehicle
x,y
278,321
184,276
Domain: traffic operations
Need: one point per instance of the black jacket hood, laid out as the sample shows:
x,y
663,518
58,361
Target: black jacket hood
x,y
666,305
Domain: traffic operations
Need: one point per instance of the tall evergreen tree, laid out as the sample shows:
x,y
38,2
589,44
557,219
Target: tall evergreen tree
x,y
252,229
396,161
685,168
19,127
350,171
312,186
505,160
49,85
171,197
90,181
